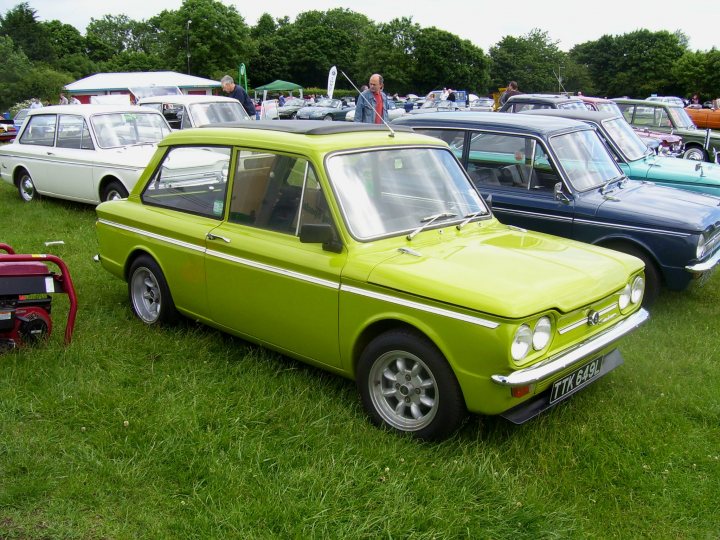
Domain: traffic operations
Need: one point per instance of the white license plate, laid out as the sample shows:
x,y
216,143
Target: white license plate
x,y
576,380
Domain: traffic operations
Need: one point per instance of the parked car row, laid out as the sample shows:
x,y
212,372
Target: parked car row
x,y
451,262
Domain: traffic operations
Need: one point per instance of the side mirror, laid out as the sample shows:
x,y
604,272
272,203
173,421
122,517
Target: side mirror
x,y
320,233
560,194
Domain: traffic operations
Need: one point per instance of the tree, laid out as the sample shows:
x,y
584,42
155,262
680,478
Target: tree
x,y
21,24
443,59
64,40
15,67
217,38
389,49
532,60
635,64
319,40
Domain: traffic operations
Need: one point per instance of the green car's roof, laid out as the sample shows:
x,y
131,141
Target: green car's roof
x,y
301,134
646,102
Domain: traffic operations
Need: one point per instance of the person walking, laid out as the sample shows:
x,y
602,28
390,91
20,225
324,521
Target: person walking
x,y
512,90
237,92
372,104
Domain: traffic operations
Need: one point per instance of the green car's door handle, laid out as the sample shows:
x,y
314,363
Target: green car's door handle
x,y
211,236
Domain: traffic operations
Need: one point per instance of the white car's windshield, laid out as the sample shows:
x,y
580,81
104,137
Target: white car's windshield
x,y
622,133
394,191
127,128
585,159
217,113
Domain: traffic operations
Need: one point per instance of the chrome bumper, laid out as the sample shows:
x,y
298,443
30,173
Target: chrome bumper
x,y
543,371
701,268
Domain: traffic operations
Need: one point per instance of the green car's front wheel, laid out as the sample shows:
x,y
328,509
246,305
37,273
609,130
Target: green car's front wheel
x,y
406,384
149,293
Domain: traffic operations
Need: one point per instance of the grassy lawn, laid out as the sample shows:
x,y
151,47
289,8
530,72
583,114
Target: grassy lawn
x,y
185,432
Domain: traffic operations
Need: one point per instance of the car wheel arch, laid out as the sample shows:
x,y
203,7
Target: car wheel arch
x,y
637,249
382,326
134,255
107,180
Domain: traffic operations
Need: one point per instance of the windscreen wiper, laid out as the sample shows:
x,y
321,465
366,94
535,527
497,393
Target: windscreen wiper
x,y
429,220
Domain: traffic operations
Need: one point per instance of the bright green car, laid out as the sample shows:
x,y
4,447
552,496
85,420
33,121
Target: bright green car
x,y
369,253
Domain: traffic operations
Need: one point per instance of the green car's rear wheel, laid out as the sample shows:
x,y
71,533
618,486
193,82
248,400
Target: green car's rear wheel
x,y
149,293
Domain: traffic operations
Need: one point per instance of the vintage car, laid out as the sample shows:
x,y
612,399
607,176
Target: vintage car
x,y
19,118
700,145
326,109
674,100
370,254
527,102
436,105
482,104
704,118
7,131
557,176
85,153
291,107
637,161
664,144
186,111
394,111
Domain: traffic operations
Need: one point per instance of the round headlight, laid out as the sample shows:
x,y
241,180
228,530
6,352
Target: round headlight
x,y
700,251
638,289
542,333
521,342
624,300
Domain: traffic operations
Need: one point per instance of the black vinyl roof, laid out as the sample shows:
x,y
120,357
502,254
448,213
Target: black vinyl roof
x,y
497,121
309,127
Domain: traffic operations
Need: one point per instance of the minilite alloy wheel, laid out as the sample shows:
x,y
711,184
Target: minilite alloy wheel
x,y
149,293
406,384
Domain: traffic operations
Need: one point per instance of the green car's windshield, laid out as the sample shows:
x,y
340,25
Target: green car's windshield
x,y
393,191
680,118
623,135
585,159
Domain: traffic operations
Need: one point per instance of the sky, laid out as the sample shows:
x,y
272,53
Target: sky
x,y
482,22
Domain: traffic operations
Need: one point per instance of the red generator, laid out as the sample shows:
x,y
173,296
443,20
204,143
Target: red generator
x,y
25,284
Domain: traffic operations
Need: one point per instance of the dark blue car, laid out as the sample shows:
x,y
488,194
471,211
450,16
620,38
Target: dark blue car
x,y
556,175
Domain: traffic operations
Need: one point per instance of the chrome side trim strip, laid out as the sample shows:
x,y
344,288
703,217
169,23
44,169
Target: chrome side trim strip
x,y
547,369
161,238
310,279
632,227
552,217
275,269
422,307
581,322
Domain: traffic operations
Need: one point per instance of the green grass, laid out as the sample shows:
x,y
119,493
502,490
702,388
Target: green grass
x,y
136,432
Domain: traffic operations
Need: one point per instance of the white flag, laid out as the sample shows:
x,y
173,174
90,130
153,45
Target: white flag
x,y
331,81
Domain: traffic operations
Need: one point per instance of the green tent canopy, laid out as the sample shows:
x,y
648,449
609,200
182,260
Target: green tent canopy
x,y
279,86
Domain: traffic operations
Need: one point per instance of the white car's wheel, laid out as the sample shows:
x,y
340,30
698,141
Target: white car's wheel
x,y
26,187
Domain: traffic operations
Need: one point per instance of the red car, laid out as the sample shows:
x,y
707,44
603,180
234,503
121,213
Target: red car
x,y
7,130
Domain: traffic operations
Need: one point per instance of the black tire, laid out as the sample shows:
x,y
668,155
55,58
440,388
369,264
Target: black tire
x,y
328,118
406,384
149,293
695,153
26,187
113,190
293,116
653,280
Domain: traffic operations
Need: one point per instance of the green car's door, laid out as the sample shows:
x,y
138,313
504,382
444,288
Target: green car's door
x,y
262,282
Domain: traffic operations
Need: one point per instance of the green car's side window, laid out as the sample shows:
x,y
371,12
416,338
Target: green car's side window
x,y
269,191
191,179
